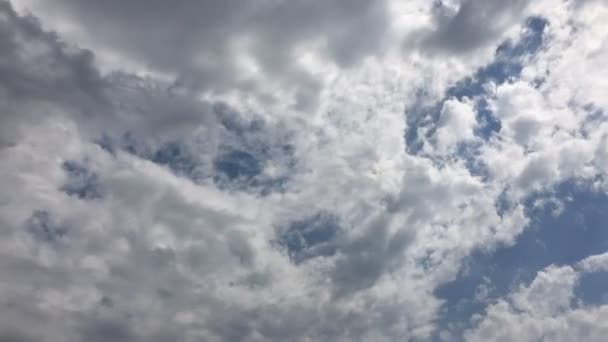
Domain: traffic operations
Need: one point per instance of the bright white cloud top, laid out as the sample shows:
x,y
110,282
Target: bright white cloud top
x,y
303,170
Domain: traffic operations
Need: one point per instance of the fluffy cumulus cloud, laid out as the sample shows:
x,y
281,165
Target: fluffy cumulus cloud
x,y
302,170
546,309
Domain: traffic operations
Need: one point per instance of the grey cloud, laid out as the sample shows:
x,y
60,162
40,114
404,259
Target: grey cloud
x,y
81,181
44,78
41,76
42,227
99,331
360,259
37,69
36,64
104,330
148,110
365,258
195,39
16,336
474,24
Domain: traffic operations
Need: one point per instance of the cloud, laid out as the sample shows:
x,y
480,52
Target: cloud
x,y
595,263
463,26
565,226
239,44
543,310
243,171
456,124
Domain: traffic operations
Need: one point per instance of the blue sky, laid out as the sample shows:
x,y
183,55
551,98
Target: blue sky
x,y
567,225
303,170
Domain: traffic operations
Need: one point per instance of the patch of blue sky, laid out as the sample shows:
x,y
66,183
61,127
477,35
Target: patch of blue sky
x,y
178,158
81,182
175,155
238,166
468,153
310,237
567,225
247,149
592,288
507,64
242,168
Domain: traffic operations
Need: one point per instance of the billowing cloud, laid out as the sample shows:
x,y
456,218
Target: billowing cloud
x,y
296,170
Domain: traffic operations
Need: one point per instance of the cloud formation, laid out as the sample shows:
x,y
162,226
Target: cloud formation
x,y
291,170
545,309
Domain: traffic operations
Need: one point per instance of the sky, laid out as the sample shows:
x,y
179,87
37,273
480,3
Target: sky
x,y
303,170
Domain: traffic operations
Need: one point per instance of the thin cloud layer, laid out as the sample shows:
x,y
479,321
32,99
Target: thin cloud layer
x,y
297,171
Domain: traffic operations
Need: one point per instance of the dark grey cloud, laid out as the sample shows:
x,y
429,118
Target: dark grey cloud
x,y
95,329
473,24
36,68
99,331
16,336
41,76
36,64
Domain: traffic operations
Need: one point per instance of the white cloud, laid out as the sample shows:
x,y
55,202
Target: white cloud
x,y
545,309
594,263
456,124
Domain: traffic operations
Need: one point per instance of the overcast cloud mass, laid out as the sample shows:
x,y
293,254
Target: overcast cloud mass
x,y
303,170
